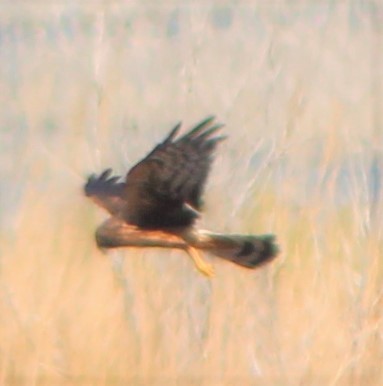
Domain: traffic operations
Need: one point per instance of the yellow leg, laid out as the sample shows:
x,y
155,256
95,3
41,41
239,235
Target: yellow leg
x,y
202,266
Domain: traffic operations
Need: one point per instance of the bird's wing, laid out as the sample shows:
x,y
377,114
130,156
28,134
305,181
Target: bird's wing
x,y
250,251
175,171
106,191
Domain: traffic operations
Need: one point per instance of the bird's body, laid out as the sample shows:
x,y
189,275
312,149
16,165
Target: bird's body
x,y
161,198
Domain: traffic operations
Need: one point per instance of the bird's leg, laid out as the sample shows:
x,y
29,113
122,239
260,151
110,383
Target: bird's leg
x,y
202,266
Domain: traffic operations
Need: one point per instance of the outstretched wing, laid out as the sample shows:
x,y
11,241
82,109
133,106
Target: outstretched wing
x,y
250,251
106,191
172,176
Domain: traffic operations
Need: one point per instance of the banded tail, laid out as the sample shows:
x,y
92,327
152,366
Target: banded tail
x,y
246,250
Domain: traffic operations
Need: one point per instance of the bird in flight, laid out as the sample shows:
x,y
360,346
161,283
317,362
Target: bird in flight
x,y
159,201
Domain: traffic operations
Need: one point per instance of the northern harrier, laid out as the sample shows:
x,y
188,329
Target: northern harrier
x,y
159,201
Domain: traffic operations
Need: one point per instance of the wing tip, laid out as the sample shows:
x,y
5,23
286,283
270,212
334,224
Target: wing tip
x,y
203,130
173,133
95,184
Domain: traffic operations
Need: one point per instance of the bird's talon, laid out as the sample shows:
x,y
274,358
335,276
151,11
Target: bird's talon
x,y
202,266
206,270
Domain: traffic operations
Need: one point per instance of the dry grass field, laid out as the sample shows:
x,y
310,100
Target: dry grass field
x,y
84,86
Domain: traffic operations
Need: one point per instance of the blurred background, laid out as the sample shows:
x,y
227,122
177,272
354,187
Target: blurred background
x,y
90,85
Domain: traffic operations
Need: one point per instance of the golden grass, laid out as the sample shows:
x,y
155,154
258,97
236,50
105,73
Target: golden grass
x,y
84,91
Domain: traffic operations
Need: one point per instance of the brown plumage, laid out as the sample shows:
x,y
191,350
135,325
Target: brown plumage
x,y
160,199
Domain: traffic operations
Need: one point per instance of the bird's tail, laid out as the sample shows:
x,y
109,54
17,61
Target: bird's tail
x,y
246,250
